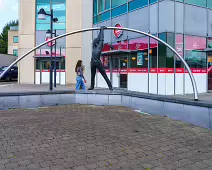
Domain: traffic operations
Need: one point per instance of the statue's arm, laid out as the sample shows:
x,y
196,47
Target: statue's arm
x,y
101,38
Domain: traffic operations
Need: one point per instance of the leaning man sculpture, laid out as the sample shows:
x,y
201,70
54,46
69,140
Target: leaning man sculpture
x,y
95,59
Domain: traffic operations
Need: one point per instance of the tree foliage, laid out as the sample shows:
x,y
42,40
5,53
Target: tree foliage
x,y
4,36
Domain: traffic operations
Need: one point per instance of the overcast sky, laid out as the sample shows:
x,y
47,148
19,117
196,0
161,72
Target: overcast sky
x,y
8,11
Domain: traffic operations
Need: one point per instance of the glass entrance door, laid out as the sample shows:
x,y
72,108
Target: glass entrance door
x,y
119,71
123,72
209,71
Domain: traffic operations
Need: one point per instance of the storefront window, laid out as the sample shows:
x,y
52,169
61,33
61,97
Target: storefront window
x,y
59,8
63,64
209,4
170,54
116,3
38,64
45,65
162,51
119,10
103,16
194,55
209,42
105,62
137,4
152,1
179,47
15,39
196,2
103,5
165,55
140,58
94,7
120,45
15,52
153,53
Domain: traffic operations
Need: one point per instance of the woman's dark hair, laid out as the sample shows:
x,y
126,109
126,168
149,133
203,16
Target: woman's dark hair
x,y
79,64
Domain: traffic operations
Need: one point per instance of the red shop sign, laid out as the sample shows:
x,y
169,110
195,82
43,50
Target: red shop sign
x,y
50,43
118,33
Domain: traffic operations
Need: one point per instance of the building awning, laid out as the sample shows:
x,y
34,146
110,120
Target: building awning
x,y
204,50
118,52
208,49
48,56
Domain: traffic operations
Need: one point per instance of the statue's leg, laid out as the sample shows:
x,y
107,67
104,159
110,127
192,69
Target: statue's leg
x,y
93,74
104,75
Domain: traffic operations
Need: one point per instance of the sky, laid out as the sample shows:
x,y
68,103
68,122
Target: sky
x,y
8,12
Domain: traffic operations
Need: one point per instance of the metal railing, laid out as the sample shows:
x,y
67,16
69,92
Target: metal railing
x,y
114,28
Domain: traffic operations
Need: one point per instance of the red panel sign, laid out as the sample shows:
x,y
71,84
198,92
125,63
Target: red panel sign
x,y
118,33
195,43
50,43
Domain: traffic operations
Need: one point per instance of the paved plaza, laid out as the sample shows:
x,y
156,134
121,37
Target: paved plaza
x,y
85,137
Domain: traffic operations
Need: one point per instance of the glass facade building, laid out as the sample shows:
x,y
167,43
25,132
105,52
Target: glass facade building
x,y
183,24
42,57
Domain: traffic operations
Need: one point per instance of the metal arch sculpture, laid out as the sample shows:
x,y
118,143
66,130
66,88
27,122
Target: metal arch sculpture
x,y
113,28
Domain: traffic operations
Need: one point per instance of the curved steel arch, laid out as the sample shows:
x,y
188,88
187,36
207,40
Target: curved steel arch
x,y
114,28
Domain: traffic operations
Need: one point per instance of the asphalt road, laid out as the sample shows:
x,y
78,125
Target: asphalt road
x,y
85,137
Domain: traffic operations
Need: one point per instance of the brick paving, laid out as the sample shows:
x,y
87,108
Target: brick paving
x,y
83,137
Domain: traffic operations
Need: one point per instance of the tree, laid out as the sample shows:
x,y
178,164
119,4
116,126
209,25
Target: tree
x,y
4,36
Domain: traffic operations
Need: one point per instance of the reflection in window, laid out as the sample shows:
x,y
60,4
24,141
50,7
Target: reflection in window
x,y
137,4
196,2
15,52
103,16
194,55
63,64
139,59
209,42
119,10
153,53
45,65
169,53
103,5
15,39
152,1
116,3
165,55
105,62
59,8
94,7
38,62
209,4
179,47
162,51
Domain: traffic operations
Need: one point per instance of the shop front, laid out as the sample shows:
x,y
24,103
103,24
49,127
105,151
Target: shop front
x,y
42,72
116,65
144,65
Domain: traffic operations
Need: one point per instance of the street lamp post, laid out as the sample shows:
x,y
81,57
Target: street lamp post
x,y
55,49
42,16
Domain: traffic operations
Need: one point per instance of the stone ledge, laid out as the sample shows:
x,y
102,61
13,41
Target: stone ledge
x,y
163,98
194,114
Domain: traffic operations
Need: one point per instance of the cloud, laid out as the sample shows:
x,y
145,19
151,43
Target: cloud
x,y
15,8
5,5
1,4
8,11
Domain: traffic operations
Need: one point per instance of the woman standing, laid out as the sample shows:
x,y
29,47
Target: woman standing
x,y
80,76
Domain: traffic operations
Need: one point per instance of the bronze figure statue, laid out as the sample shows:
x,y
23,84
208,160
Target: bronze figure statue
x,y
96,63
